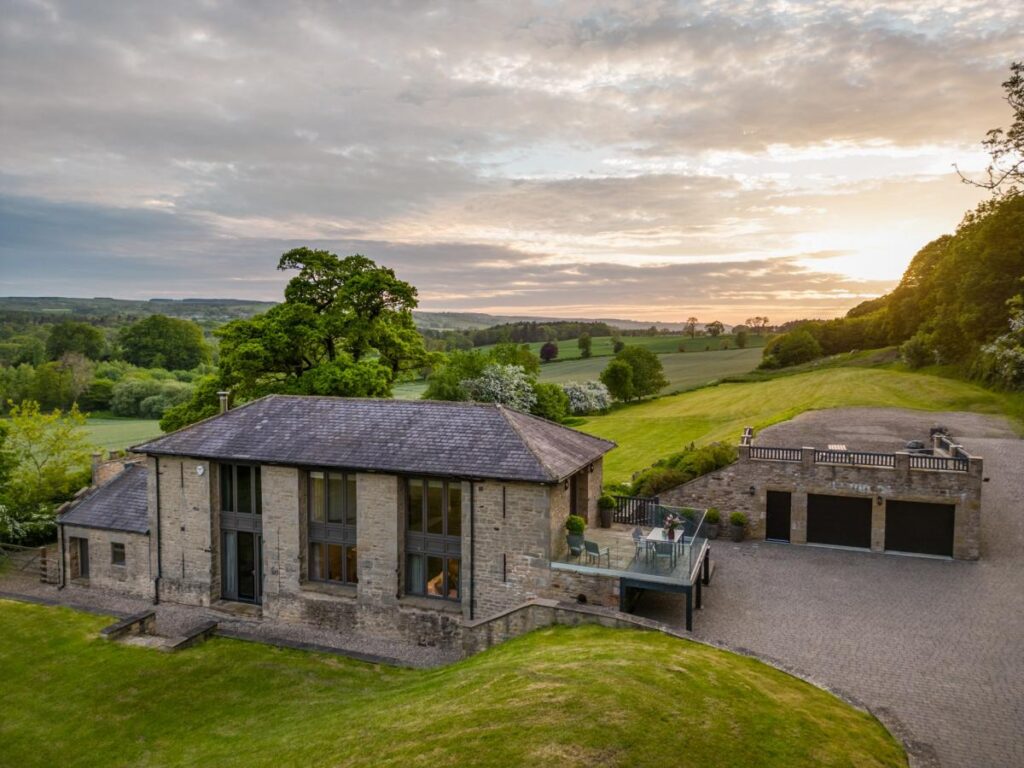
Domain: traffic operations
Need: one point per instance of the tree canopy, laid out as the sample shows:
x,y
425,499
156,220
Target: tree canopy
x,y
71,336
159,341
345,328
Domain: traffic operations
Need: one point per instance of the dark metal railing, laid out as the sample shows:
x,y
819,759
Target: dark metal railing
x,y
940,463
858,458
765,453
635,510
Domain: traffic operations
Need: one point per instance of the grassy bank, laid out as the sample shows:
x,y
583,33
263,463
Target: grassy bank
x,y
568,697
649,431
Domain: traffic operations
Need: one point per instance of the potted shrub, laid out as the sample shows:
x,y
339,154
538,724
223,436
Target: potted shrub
x,y
711,521
606,506
574,527
737,526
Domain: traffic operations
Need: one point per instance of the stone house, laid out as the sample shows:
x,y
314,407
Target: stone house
x,y
104,534
925,503
401,518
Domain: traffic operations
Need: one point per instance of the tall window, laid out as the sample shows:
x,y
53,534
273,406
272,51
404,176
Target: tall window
x,y
433,538
332,527
240,489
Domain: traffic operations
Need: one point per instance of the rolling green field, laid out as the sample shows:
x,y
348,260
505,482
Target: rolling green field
x,y
649,431
601,346
117,434
684,370
582,696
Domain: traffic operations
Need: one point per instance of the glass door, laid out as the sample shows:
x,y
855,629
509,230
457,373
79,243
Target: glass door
x,y
243,552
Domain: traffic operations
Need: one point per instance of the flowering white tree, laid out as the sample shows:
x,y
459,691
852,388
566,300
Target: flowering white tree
x,y
506,384
1003,359
587,397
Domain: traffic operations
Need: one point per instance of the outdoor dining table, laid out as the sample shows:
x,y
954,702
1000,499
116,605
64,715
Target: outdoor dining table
x,y
661,535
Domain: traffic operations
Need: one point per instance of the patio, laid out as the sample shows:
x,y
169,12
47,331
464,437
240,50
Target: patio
x,y
647,560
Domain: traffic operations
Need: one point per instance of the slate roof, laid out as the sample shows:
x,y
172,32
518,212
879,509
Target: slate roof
x,y
118,505
467,440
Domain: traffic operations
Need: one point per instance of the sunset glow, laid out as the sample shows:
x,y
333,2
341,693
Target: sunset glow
x,y
579,159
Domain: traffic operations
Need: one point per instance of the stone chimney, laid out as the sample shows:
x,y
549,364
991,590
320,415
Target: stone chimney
x,y
224,396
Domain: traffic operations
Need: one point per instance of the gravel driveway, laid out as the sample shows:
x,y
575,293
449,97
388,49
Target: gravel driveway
x,y
934,647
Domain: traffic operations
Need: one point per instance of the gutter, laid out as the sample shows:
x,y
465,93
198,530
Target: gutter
x,y
159,562
472,542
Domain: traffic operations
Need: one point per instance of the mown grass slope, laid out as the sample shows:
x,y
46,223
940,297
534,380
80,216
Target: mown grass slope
x,y
684,370
602,346
117,434
568,697
649,431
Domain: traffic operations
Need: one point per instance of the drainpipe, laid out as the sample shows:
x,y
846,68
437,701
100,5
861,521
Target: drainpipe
x,y
159,562
60,556
472,542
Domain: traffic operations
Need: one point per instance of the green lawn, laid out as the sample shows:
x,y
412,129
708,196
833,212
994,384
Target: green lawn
x,y
601,346
683,370
118,434
585,696
649,431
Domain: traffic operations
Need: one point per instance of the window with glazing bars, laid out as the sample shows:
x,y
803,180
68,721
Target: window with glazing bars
x,y
332,527
433,538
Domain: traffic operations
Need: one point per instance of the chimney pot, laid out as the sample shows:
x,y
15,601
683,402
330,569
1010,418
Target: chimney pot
x,y
224,395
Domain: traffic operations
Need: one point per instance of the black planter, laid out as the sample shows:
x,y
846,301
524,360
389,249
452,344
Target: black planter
x,y
606,517
737,532
711,529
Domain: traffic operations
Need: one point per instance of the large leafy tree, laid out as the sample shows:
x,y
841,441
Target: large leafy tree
x,y
44,457
159,341
648,373
71,336
345,328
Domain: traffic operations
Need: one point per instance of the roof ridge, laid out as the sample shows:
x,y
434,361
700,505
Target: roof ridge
x,y
566,427
504,411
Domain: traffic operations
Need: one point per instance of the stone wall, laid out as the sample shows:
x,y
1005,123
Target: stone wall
x,y
536,614
516,526
133,578
188,536
512,539
730,488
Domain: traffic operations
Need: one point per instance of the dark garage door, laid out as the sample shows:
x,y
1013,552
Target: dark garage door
x,y
840,520
912,526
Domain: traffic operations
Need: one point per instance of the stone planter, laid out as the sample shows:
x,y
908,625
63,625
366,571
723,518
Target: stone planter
x,y
711,529
737,532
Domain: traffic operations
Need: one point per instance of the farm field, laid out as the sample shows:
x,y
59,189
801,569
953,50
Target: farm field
x,y
684,370
117,434
601,346
72,699
652,430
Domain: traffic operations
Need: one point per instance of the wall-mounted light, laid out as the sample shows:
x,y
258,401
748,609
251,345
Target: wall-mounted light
x,y
878,500
752,491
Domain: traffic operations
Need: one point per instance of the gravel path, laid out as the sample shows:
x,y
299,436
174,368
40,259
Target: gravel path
x,y
934,647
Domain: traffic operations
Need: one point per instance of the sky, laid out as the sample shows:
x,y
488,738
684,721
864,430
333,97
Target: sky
x,y
646,160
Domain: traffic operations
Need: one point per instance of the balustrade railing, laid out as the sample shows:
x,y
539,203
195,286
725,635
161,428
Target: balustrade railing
x,y
766,453
857,458
939,463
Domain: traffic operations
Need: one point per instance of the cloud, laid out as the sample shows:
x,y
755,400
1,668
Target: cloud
x,y
621,140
